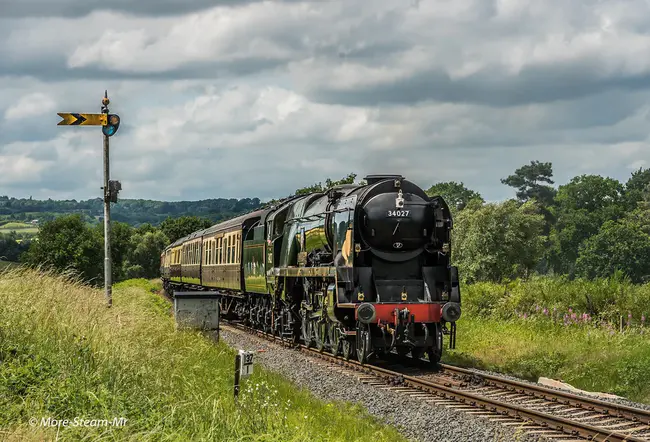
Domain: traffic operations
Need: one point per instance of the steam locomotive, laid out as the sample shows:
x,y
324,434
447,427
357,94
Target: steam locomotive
x,y
357,270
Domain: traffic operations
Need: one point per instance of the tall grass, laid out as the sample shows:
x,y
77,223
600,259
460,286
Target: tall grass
x,y
604,299
64,355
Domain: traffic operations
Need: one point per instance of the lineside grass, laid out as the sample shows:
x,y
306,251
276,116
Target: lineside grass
x,y
568,330
4,265
64,355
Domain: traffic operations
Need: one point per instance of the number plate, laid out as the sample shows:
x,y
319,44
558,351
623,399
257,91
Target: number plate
x,y
246,367
399,213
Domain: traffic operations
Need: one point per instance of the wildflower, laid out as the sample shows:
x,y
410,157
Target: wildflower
x,y
545,311
642,319
525,316
570,310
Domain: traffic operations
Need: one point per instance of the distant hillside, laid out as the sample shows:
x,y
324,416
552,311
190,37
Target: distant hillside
x,y
134,212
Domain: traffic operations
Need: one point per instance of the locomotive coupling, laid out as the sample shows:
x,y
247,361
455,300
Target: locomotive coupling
x,y
451,311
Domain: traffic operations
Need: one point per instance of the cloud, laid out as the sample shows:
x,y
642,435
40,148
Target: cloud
x,y
74,8
259,98
30,105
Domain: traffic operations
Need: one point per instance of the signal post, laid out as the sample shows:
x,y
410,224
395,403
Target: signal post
x,y
110,123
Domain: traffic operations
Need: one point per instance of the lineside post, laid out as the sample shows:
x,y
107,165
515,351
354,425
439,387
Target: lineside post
x,y
108,283
237,370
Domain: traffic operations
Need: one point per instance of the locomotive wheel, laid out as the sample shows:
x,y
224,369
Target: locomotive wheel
x,y
347,347
403,350
335,339
307,331
363,343
434,353
266,324
416,353
321,329
434,356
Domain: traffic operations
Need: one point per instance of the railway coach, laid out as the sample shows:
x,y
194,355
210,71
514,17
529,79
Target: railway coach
x,y
359,270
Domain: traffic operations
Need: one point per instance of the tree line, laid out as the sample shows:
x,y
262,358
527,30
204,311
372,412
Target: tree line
x,y
69,243
131,211
591,227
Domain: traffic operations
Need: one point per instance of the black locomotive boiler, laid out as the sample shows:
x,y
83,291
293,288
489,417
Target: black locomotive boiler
x,y
359,270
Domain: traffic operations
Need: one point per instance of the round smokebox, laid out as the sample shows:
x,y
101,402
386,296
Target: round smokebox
x,y
366,313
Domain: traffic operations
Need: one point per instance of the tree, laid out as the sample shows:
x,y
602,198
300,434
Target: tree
x,y
176,228
144,257
496,241
67,243
582,206
120,246
10,248
455,194
637,188
528,181
618,246
318,187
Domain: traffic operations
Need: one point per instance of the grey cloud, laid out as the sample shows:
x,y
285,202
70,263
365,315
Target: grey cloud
x,y
75,8
194,139
495,89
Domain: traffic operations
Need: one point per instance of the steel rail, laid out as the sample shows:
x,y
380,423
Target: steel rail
x,y
545,420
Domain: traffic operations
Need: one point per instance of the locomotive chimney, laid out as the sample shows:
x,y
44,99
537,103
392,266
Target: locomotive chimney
x,y
372,179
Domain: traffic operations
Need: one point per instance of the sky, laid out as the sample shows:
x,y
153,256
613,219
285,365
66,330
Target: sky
x,y
256,99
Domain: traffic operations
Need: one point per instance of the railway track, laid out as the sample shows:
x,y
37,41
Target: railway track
x,y
546,412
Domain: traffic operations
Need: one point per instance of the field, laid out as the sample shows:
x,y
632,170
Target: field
x,y
64,355
563,330
23,228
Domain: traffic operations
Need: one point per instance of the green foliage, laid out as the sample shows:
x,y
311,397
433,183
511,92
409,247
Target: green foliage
x,y
456,195
145,250
618,246
528,181
65,355
637,188
176,228
602,298
133,212
496,241
318,187
67,244
581,207
10,248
